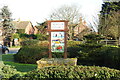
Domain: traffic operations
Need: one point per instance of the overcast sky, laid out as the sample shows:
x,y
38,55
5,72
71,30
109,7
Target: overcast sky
x,y
39,10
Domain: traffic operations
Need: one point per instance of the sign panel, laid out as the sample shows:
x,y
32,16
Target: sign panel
x,y
57,25
57,41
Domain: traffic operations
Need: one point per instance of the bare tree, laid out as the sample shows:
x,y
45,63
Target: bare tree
x,y
65,12
70,13
94,23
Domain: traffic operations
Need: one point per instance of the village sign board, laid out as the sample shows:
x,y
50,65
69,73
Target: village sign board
x,y
57,40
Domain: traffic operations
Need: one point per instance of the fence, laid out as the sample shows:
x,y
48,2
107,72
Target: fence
x,y
110,42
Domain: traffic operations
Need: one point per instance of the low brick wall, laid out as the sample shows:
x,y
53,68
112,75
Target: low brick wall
x,y
47,62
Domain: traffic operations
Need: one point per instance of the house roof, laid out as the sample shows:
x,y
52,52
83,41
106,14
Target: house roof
x,y
20,24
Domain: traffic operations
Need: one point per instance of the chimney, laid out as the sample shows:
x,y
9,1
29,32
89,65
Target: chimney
x,y
18,20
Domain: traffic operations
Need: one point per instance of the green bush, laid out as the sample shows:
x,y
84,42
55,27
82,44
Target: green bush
x,y
63,73
87,53
8,71
96,54
93,38
30,54
100,55
41,37
29,42
106,56
74,51
74,72
33,50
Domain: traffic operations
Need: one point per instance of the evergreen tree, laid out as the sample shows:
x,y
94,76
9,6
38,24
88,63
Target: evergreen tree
x,y
6,21
110,20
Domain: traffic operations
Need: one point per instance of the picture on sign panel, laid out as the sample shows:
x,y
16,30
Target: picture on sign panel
x,y
57,41
57,25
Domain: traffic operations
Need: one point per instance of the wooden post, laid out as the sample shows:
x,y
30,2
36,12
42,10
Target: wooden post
x,y
50,54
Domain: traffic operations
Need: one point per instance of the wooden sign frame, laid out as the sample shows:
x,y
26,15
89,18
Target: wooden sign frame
x,y
58,26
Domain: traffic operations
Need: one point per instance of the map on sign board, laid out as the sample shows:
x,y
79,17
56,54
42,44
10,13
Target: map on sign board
x,y
57,41
57,25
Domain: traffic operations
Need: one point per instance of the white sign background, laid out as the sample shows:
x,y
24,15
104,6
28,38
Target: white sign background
x,y
57,25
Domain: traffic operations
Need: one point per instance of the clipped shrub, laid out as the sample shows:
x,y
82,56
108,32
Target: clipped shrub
x,y
106,56
29,42
87,53
8,71
93,38
30,54
102,56
75,51
33,50
41,37
74,72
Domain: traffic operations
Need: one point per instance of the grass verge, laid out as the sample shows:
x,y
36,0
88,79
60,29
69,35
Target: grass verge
x,y
8,59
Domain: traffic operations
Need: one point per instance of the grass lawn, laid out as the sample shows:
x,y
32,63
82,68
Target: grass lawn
x,y
15,47
8,59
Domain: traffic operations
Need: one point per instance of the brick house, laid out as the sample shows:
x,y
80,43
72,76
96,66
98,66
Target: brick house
x,y
23,27
82,29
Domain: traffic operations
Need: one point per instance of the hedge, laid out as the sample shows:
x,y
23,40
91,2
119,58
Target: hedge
x,y
33,50
74,72
62,73
8,71
87,53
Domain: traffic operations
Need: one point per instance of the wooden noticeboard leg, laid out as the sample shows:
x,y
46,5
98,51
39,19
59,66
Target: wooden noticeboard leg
x,y
50,54
65,51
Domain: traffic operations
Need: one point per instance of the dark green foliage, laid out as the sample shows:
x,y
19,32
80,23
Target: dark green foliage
x,y
102,56
74,51
24,36
96,54
107,7
92,38
74,73
41,37
106,56
87,53
29,42
57,55
31,53
33,50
